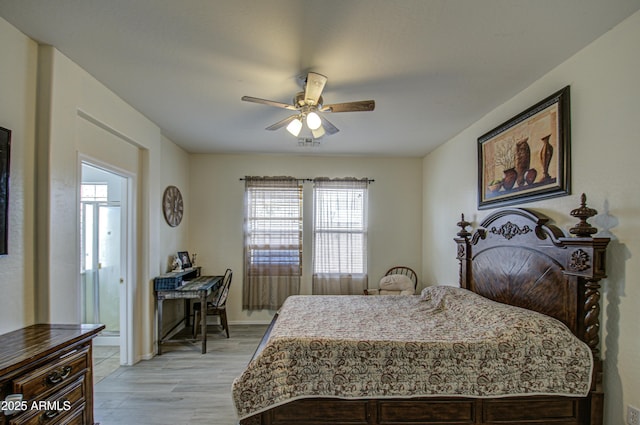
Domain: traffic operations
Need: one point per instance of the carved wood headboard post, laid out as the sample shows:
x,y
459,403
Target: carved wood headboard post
x,y
587,262
464,252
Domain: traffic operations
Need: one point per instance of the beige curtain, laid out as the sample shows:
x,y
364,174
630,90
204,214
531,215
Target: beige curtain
x,y
272,241
340,236
339,284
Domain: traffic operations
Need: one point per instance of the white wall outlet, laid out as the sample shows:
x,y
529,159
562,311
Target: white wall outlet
x,y
633,415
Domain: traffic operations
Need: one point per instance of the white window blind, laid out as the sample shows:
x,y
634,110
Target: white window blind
x,y
274,228
273,241
339,231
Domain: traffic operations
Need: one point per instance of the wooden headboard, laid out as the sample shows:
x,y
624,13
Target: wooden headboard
x,y
517,257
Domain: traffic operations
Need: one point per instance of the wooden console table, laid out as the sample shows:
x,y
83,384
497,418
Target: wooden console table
x,y
199,288
51,366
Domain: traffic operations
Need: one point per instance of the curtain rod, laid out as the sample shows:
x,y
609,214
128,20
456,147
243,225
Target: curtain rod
x,y
344,179
276,178
308,180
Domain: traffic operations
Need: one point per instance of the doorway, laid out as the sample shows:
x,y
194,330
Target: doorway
x,y
103,259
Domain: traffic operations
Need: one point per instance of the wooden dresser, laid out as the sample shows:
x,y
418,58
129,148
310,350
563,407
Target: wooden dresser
x,y
52,367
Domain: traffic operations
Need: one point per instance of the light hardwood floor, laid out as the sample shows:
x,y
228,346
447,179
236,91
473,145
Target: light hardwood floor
x,y
180,387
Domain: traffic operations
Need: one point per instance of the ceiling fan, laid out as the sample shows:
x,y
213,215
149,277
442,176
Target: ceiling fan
x,y
308,106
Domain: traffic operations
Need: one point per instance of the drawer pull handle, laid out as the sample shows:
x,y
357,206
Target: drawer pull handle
x,y
59,375
50,414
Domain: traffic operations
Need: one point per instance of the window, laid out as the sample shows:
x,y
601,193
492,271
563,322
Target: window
x,y
273,241
97,192
92,197
340,236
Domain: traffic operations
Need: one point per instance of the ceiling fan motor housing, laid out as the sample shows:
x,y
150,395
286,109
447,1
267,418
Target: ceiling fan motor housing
x,y
299,101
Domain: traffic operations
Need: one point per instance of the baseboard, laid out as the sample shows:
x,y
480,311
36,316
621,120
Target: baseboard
x,y
106,340
250,322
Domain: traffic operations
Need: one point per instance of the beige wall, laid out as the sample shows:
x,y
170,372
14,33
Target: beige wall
x,y
605,115
75,102
217,199
17,113
78,119
175,172
78,116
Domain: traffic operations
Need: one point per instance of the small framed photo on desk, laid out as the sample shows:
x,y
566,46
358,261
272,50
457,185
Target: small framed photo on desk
x,y
185,259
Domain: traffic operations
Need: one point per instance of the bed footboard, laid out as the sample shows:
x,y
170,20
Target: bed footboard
x,y
429,411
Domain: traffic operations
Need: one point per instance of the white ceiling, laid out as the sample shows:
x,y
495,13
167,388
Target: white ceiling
x,y
433,66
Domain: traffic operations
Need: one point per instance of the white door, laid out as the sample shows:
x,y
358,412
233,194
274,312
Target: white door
x,y
103,247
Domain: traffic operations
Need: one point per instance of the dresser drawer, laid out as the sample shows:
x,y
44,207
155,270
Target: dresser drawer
x,y
77,416
59,408
53,376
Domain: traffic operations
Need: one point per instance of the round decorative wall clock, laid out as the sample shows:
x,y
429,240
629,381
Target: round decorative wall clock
x,y
172,206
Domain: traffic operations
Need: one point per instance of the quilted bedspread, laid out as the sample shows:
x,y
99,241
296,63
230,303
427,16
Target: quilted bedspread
x,y
445,342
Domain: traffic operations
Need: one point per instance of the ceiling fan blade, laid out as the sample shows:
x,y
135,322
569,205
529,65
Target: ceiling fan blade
x,y
359,106
313,88
282,123
269,102
328,127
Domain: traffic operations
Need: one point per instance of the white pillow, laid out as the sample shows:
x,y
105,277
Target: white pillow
x,y
396,282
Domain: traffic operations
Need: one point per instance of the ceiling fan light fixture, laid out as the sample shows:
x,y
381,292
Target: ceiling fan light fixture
x,y
313,121
318,133
294,127
307,105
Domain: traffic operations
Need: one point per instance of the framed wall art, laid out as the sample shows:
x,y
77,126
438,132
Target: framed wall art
x,y
5,148
527,158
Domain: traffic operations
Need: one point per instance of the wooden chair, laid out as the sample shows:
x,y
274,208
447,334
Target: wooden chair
x,y
404,270
215,307
397,270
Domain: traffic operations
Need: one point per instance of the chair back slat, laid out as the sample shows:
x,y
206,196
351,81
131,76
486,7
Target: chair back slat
x,y
223,292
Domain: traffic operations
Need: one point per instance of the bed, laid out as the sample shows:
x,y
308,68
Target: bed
x,y
516,257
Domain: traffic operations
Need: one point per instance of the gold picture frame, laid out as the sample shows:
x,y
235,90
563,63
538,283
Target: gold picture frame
x,y
527,158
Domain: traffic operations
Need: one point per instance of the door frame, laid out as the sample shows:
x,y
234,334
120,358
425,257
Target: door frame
x,y
128,254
